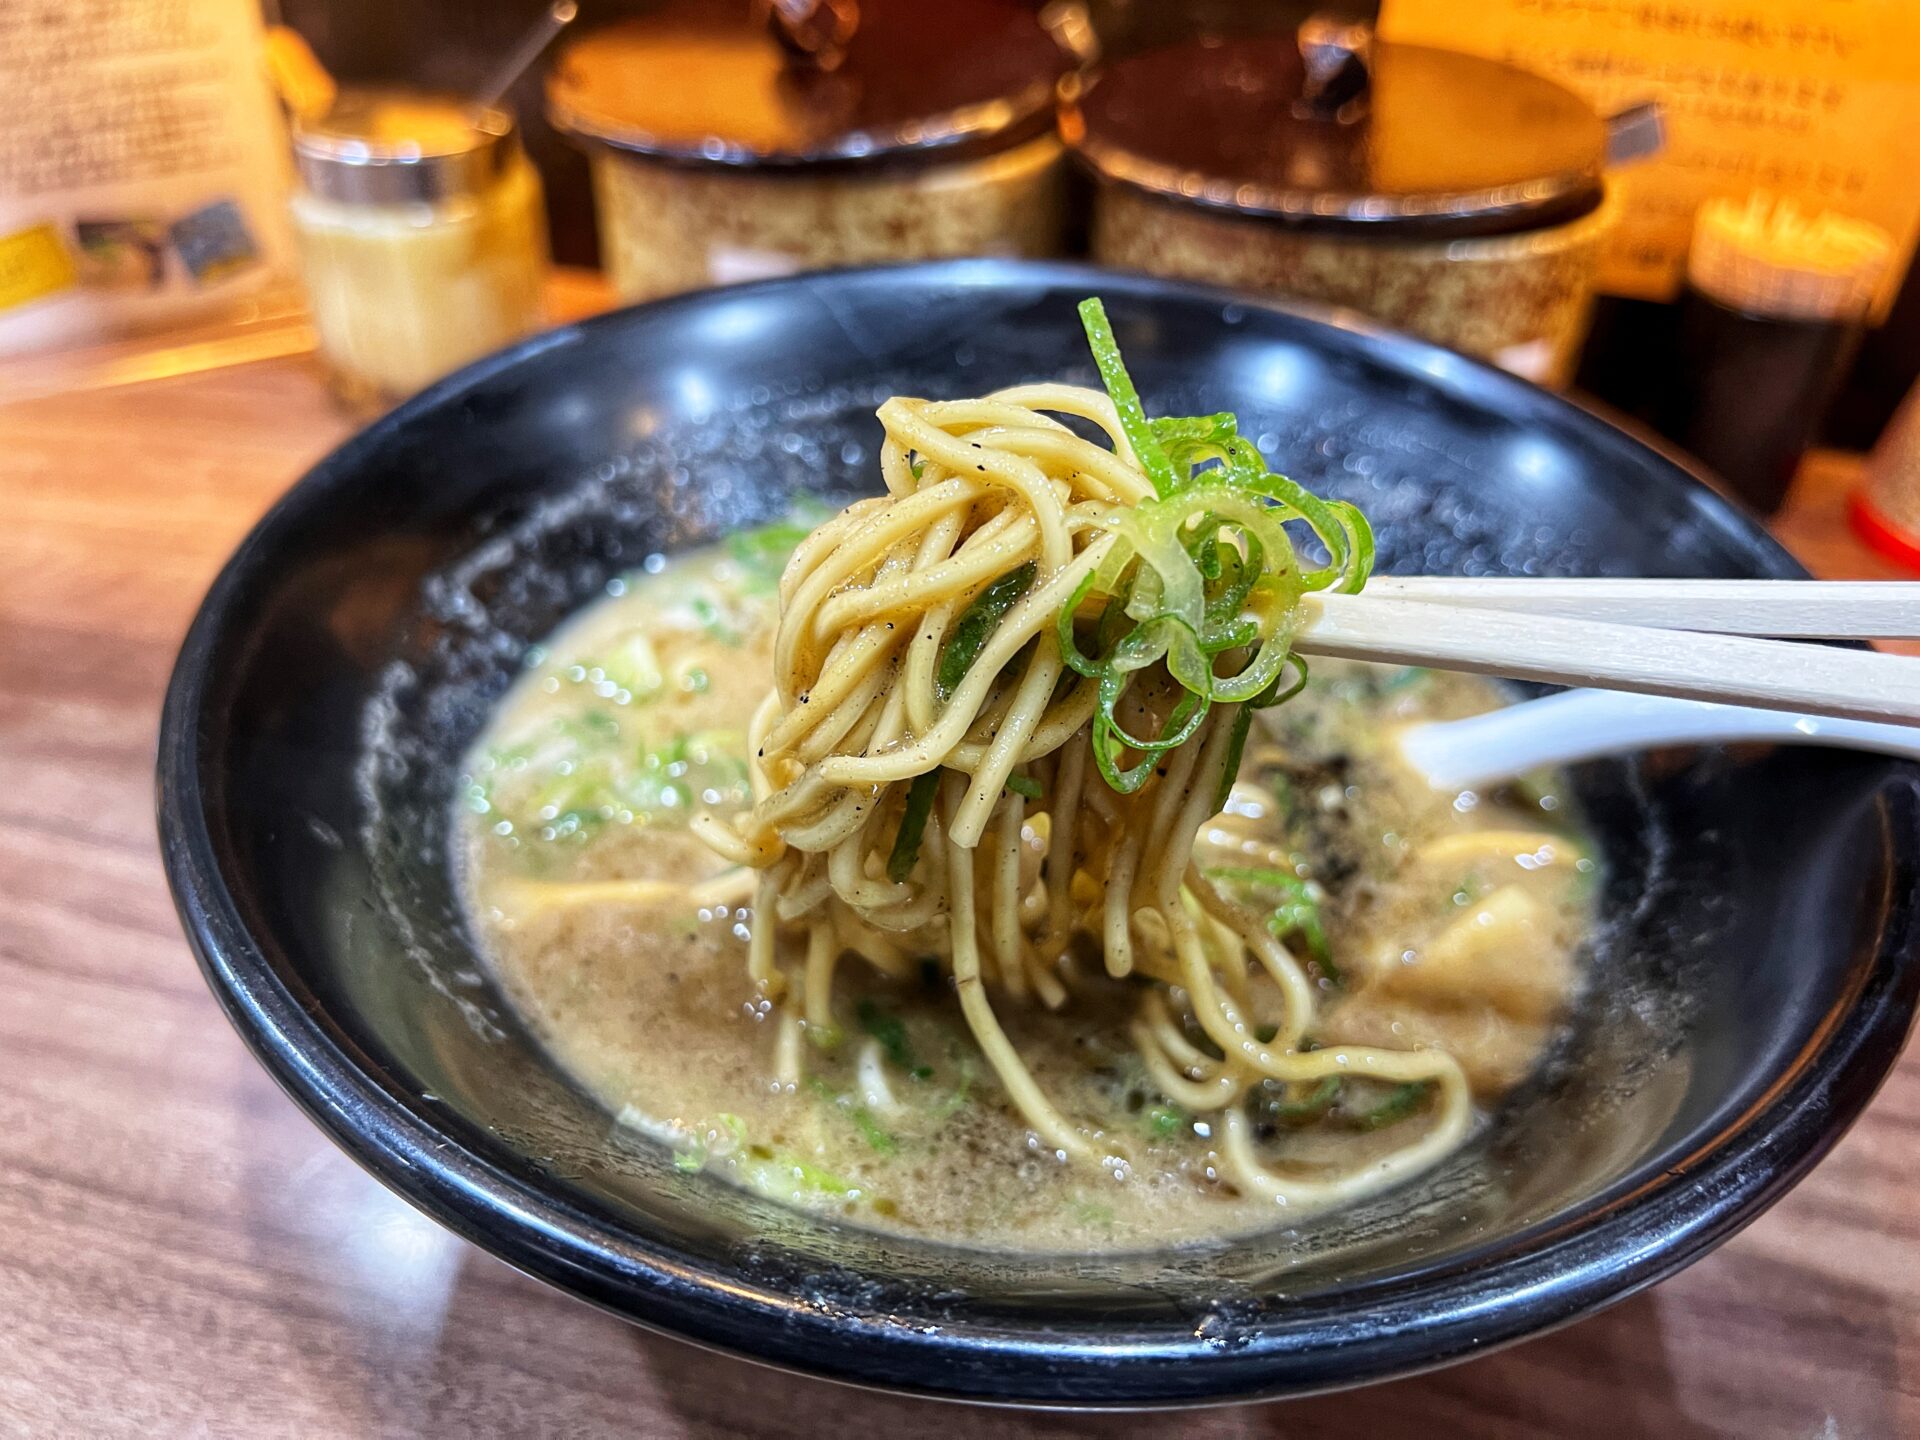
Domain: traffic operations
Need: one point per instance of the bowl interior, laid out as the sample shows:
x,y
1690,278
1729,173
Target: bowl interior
x,y
352,651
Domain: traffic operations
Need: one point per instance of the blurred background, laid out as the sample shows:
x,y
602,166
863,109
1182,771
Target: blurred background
x,y
1695,213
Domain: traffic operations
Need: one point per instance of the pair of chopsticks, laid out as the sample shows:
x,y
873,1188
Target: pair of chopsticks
x,y
1690,638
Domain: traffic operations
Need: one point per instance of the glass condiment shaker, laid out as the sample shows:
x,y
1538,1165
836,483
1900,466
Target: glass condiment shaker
x,y
421,234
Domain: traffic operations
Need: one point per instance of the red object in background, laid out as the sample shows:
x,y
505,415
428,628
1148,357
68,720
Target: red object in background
x,y
1882,534
1885,510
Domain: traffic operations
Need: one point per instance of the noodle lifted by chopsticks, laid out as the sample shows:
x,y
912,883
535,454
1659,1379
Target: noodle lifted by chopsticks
x,y
1008,693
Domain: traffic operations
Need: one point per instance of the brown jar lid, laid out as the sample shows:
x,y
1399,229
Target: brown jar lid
x,y
707,82
1441,143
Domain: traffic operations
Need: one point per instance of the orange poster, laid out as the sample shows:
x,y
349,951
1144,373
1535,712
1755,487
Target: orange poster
x,y
1817,99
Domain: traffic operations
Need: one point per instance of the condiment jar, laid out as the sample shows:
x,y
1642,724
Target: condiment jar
x,y
721,151
1448,195
421,234
1775,302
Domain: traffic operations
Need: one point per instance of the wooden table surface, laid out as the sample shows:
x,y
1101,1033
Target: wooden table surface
x,y
182,1253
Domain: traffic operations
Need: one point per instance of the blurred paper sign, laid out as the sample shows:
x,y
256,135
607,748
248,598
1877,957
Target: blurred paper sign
x,y
142,168
1816,99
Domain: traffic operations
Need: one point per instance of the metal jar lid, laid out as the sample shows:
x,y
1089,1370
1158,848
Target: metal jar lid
x,y
1396,138
712,82
398,147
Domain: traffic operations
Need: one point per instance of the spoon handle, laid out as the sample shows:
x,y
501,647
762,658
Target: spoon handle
x,y
1582,724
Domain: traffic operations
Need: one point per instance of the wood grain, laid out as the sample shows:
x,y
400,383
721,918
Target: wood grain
x,y
182,1253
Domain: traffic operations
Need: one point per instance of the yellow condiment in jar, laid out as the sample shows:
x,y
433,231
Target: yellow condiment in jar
x,y
421,235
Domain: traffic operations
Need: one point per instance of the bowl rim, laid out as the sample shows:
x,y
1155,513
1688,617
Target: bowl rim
x,y
1542,1279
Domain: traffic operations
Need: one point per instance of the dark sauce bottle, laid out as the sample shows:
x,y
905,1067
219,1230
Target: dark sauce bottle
x,y
1741,371
1749,391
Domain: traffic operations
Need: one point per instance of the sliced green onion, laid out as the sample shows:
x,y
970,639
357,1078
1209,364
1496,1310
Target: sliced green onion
x,y
1063,626
762,552
1317,1102
1109,739
976,626
892,1035
1236,747
1190,440
781,1173
862,1118
913,826
871,1132
1126,400
961,1092
1401,1102
1165,1120
1206,572
1295,913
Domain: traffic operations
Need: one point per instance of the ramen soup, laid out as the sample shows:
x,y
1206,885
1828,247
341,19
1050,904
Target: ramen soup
x,y
1424,923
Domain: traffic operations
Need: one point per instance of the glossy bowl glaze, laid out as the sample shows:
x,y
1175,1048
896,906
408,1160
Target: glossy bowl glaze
x,y
1753,979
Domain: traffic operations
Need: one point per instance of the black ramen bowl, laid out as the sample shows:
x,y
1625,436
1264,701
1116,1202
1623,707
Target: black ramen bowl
x,y
1753,979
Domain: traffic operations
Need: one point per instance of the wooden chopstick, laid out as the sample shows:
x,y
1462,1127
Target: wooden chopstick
x,y
1772,674
1808,609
